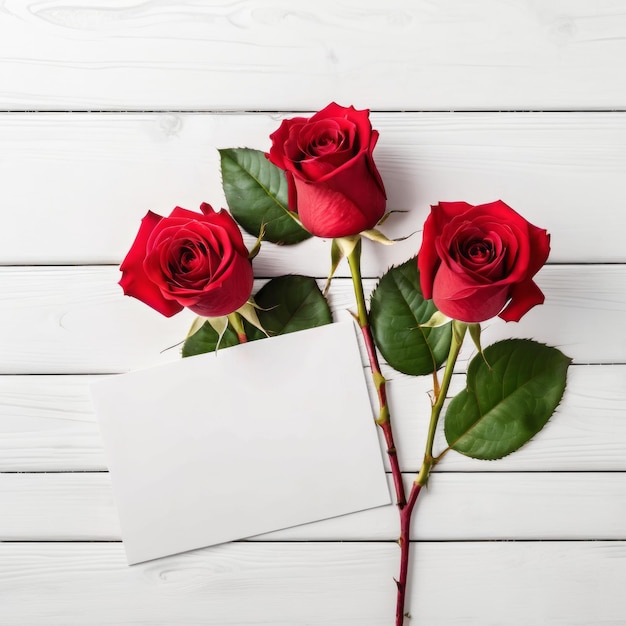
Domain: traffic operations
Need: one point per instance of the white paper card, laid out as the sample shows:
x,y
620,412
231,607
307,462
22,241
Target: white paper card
x,y
258,437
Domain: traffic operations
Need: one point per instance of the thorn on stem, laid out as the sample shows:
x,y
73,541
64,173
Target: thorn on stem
x,y
432,398
355,316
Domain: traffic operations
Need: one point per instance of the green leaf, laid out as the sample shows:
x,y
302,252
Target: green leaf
x,y
397,312
289,303
256,192
283,305
207,338
511,394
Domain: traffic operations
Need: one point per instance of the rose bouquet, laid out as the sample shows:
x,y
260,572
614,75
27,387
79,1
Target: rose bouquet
x,y
319,179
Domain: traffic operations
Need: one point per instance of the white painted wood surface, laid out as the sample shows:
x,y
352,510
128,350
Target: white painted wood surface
x,y
281,584
81,324
493,506
95,178
47,425
283,55
537,538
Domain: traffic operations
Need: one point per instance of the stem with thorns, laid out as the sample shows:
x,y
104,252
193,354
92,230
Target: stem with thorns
x,y
383,420
440,391
458,333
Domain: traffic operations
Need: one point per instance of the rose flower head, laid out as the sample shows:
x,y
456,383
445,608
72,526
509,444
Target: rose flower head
x,y
189,259
479,261
332,180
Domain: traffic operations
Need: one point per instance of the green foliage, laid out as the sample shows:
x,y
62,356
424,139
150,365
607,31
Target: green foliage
x,y
511,394
206,340
290,303
397,312
256,193
284,305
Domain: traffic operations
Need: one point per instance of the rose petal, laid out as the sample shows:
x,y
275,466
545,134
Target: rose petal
x,y
461,298
524,296
224,219
279,138
341,219
135,282
326,210
428,259
370,162
228,295
292,192
331,149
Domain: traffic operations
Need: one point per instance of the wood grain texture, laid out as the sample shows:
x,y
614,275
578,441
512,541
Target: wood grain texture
x,y
298,584
47,424
75,186
535,539
75,320
557,54
496,506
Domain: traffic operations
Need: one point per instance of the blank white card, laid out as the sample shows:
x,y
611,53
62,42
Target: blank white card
x,y
248,440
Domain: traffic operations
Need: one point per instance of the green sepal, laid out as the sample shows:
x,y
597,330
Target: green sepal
x,y
511,394
340,248
208,335
284,305
374,234
437,319
459,329
398,312
475,332
249,312
256,248
219,324
196,325
256,193
388,214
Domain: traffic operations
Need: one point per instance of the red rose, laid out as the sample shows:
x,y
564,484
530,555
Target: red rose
x,y
478,261
189,260
332,180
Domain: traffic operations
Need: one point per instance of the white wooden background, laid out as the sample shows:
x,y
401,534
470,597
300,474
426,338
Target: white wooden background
x,y
113,108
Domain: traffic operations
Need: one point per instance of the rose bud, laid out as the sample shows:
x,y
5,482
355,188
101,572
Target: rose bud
x,y
189,259
332,180
478,261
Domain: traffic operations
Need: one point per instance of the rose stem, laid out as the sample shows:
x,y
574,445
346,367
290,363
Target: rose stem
x,y
237,324
383,420
458,333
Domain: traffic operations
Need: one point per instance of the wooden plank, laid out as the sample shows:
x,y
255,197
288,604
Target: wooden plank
x,y
493,583
96,176
75,320
502,506
189,55
47,424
